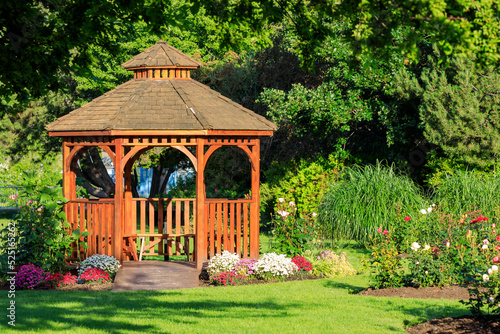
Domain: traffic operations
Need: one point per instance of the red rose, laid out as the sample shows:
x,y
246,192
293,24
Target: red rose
x,y
407,219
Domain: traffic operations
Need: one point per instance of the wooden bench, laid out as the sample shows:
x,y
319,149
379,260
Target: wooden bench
x,y
171,237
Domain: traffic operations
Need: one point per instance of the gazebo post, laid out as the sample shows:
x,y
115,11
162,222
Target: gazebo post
x,y
118,225
201,236
254,213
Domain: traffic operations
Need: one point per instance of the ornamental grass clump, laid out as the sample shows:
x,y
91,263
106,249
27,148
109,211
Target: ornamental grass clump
x,y
107,263
222,262
272,265
30,276
329,264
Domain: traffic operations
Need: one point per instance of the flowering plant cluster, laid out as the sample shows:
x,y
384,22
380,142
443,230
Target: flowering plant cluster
x,y
222,262
467,251
59,279
30,276
272,265
245,267
41,237
328,264
95,275
302,263
107,263
292,233
227,277
227,268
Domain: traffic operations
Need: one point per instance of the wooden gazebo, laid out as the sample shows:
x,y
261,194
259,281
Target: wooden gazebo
x,y
162,107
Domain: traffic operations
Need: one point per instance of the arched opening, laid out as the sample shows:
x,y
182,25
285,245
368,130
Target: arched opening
x,y
159,224
228,174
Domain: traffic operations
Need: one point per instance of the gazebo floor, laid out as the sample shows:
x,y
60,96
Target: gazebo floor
x,y
156,275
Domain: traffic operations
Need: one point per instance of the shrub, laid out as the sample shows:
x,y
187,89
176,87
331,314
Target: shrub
x,y
385,263
95,275
30,276
328,264
367,197
222,262
291,232
272,265
107,263
41,229
484,292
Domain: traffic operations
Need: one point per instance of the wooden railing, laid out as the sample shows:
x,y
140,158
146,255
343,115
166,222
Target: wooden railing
x,y
171,220
95,217
227,222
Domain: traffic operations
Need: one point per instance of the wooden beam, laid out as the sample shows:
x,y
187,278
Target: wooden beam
x,y
241,133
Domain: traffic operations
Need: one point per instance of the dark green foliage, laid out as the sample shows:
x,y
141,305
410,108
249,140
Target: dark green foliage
x,y
41,237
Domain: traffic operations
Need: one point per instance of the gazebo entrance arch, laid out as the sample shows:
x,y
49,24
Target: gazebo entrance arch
x,y
162,107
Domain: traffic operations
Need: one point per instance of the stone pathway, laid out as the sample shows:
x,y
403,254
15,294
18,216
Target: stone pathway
x,y
156,275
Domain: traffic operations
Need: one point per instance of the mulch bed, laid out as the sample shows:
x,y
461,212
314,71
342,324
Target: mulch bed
x,y
464,324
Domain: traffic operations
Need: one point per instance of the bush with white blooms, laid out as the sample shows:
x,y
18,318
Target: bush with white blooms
x,y
107,263
272,265
222,262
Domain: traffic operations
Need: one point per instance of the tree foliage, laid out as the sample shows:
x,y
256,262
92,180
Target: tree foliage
x,y
461,112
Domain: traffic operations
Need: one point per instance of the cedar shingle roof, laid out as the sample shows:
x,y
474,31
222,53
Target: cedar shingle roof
x,y
161,104
161,54
145,104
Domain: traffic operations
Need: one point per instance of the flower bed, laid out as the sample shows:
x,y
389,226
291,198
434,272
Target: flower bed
x,y
465,253
228,269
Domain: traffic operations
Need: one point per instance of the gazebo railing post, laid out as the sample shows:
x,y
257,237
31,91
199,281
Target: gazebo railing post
x,y
254,207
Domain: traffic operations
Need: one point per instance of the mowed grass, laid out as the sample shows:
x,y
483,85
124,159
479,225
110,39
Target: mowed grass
x,y
314,306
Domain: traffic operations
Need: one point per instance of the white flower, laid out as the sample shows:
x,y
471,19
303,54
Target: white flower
x,y
447,244
492,300
275,265
490,271
486,278
222,262
429,209
433,205
107,263
417,262
314,214
485,247
415,246
427,247
281,199
426,272
494,268
423,211
291,204
284,213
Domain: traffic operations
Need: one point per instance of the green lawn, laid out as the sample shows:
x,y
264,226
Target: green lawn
x,y
316,306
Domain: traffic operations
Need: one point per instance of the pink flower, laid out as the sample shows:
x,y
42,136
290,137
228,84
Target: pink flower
x,y
497,247
13,197
379,230
493,225
486,242
385,232
281,199
407,219
496,259
498,237
291,204
284,214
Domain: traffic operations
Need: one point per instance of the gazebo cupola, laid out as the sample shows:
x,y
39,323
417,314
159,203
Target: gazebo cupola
x,y
162,106
161,61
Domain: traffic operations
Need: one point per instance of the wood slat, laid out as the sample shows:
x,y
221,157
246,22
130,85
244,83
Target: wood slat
x,y
151,221
231,227
245,230
225,234
238,228
160,223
